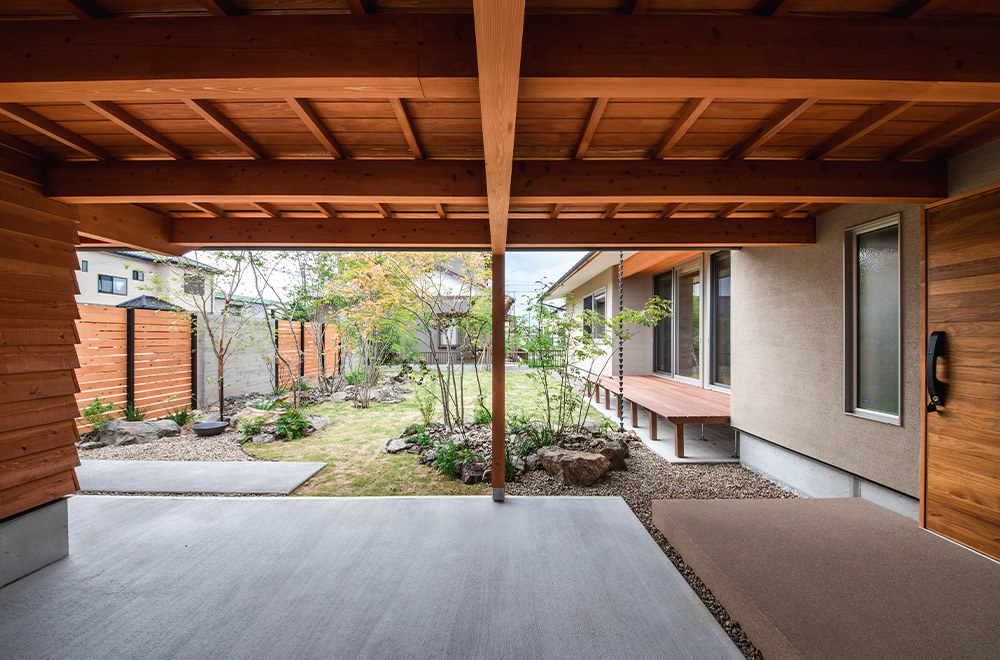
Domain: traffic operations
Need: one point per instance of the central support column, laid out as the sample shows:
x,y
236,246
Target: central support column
x,y
499,376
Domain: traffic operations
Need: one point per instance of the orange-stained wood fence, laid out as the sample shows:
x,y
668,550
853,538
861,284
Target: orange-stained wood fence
x,y
293,335
142,356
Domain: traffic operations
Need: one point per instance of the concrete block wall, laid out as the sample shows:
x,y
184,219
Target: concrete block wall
x,y
249,367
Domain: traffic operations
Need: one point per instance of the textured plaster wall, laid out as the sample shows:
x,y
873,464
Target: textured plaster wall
x,y
605,279
638,290
788,351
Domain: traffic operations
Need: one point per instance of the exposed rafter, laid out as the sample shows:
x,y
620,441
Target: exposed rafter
x,y
775,7
692,111
137,128
772,127
973,142
728,210
590,126
85,9
406,125
327,210
641,6
787,210
270,210
33,120
614,209
219,7
671,209
440,211
383,210
26,148
315,124
962,121
499,31
916,8
556,209
356,6
868,122
532,182
212,210
214,116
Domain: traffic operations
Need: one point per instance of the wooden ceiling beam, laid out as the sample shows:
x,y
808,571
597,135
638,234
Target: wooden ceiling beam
x,y
127,224
356,6
787,210
671,209
960,122
26,148
499,32
728,210
383,210
775,7
532,182
270,210
117,115
406,125
641,6
692,111
219,7
327,210
440,211
212,210
593,233
772,127
865,124
430,56
317,126
49,128
614,210
556,209
85,9
224,125
916,8
590,126
18,165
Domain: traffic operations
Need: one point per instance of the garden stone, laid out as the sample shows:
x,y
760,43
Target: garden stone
x,y
412,429
592,427
319,422
339,397
115,432
488,474
576,468
91,445
532,462
615,454
395,445
248,415
263,438
457,438
472,473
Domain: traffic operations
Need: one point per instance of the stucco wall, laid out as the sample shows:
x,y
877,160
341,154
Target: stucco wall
x,y
605,279
100,263
974,170
788,351
638,289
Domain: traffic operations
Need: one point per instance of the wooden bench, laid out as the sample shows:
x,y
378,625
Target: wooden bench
x,y
678,403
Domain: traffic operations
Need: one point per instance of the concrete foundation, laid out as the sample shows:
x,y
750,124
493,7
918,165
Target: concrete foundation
x,y
808,477
33,540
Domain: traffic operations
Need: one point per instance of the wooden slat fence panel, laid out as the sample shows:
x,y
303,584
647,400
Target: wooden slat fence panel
x,y
311,357
332,349
289,336
162,361
103,356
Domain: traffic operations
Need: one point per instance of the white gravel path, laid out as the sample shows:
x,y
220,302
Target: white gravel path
x,y
185,447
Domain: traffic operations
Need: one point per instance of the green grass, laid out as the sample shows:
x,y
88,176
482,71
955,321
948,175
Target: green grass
x,y
351,446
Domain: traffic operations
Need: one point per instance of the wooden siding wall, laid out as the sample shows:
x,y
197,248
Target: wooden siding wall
x,y
162,360
37,355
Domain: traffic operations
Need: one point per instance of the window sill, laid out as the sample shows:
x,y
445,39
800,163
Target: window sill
x,y
893,420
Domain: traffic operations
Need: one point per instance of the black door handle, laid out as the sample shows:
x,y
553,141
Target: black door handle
x,y
935,388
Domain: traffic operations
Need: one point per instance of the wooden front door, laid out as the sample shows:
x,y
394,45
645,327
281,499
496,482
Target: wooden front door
x,y
961,485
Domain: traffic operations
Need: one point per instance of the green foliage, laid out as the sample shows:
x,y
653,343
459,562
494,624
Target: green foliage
x,y
181,417
134,414
425,401
302,385
421,437
281,390
355,376
265,404
481,415
96,412
292,425
448,453
252,427
535,433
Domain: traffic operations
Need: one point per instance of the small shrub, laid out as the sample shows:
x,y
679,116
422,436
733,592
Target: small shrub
x,y
481,415
421,437
292,425
302,385
265,404
426,405
180,417
133,413
445,456
509,462
355,377
280,390
252,427
96,413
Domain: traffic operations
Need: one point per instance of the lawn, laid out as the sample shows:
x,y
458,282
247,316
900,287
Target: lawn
x,y
351,446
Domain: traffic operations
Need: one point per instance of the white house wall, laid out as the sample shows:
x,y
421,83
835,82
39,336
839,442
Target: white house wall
x,y
101,263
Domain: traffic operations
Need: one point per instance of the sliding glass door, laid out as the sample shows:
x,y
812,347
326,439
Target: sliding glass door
x,y
663,350
721,317
687,312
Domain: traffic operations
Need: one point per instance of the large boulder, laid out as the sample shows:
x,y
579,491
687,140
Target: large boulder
x,y
577,468
249,414
117,432
472,472
319,422
395,445
615,452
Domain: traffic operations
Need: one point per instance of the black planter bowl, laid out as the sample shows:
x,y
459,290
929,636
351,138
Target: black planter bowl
x,y
209,428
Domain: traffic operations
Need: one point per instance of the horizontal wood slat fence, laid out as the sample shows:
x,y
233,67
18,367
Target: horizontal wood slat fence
x,y
297,334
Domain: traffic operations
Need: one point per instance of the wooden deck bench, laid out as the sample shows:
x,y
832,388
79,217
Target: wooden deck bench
x,y
678,403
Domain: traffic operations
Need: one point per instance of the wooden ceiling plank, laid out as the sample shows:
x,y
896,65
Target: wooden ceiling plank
x,y
543,182
694,109
224,125
35,121
315,124
872,119
772,127
787,210
85,9
593,118
356,6
775,7
212,210
916,8
973,142
406,124
556,209
383,210
671,209
499,34
137,128
26,148
440,211
327,210
219,7
960,122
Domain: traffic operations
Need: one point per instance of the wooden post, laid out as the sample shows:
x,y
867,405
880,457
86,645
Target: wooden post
x,y
635,414
499,373
679,440
607,399
652,425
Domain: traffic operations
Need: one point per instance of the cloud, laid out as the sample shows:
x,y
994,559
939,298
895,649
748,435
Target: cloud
x,y
524,269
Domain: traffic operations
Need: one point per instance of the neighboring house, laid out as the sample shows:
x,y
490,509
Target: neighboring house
x,y
242,305
113,277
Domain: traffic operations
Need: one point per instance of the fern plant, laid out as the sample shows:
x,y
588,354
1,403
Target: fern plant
x,y
180,417
133,413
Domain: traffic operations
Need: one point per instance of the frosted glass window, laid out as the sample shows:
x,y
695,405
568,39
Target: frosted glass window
x,y
662,347
688,311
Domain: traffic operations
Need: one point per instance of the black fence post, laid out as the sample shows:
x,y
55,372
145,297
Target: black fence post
x,y
130,357
302,349
194,361
322,349
277,353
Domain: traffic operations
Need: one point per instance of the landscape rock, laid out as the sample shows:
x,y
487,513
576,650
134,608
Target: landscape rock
x,y
577,468
319,422
532,462
395,445
116,432
412,429
592,427
248,415
91,445
615,453
263,438
472,472
339,397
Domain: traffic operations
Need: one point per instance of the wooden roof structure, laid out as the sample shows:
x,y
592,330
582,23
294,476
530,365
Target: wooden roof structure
x,y
452,123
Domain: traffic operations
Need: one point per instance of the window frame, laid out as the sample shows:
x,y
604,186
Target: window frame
x,y
592,297
84,265
851,320
189,278
138,275
112,292
713,326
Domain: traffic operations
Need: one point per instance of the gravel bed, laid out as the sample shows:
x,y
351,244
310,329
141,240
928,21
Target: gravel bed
x,y
185,447
649,478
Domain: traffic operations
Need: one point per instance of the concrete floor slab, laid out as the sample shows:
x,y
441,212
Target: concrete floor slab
x,y
257,477
379,578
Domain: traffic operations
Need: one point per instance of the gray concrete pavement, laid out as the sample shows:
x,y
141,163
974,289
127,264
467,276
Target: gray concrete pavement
x,y
369,578
258,477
